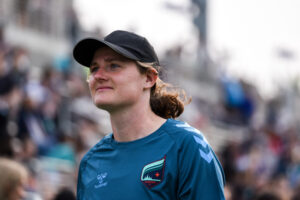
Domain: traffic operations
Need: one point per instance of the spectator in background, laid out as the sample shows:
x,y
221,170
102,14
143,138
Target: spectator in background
x,y
13,178
65,194
10,97
296,195
267,196
238,101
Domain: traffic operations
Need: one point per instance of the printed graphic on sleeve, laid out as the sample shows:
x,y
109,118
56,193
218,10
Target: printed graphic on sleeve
x,y
206,156
153,173
200,139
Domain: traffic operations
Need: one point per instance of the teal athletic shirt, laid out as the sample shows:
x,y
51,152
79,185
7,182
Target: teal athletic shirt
x,y
174,162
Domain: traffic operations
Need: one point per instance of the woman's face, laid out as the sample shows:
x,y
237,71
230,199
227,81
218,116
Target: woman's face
x,y
19,192
115,81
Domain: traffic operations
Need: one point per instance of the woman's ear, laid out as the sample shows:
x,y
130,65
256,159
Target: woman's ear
x,y
151,77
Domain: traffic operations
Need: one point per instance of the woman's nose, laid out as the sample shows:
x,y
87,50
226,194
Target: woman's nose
x,y
100,74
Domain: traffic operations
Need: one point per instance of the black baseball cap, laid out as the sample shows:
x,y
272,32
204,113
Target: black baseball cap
x,y
126,43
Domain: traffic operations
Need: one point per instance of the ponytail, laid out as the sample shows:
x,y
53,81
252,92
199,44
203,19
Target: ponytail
x,y
166,100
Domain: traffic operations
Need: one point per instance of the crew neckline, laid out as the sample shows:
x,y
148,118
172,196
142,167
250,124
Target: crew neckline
x,y
139,141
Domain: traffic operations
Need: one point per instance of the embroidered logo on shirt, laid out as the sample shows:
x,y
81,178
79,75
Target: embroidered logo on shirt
x,y
153,173
101,180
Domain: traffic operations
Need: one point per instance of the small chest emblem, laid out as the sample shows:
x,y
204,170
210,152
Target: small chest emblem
x,y
153,173
101,180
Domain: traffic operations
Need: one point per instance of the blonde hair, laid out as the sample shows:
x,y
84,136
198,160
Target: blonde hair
x,y
12,174
166,100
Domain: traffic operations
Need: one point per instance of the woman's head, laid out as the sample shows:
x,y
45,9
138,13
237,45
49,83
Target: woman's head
x,y
13,178
134,53
116,83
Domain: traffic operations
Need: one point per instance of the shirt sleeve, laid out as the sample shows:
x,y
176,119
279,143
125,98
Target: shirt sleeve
x,y
200,173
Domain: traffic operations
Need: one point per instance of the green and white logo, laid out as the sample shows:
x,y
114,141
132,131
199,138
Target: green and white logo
x,y
153,173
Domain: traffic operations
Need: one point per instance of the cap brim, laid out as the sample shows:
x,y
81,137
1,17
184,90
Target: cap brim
x,y
84,50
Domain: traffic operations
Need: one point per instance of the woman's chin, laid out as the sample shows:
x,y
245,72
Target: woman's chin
x,y
103,105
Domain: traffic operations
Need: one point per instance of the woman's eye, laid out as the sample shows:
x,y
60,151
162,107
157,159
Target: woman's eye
x,y
114,66
93,69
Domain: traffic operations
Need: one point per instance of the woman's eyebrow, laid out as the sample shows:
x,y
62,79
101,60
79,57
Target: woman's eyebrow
x,y
93,63
114,59
105,59
110,59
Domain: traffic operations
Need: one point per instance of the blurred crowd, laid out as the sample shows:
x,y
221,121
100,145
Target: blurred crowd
x,y
264,162
47,123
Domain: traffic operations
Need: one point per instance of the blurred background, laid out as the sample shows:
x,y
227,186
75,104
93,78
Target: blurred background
x,y
238,60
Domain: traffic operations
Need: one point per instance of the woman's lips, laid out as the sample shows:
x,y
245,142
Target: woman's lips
x,y
103,88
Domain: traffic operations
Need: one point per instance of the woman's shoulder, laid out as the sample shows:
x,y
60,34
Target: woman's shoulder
x,y
181,128
182,131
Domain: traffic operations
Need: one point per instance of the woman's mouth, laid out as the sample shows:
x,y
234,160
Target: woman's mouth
x,y
103,88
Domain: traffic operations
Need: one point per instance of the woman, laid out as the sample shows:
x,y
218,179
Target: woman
x,y
13,178
149,155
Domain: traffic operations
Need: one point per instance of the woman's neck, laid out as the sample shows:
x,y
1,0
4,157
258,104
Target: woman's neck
x,y
134,123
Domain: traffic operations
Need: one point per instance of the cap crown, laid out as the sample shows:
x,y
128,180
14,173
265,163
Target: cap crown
x,y
135,44
126,43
